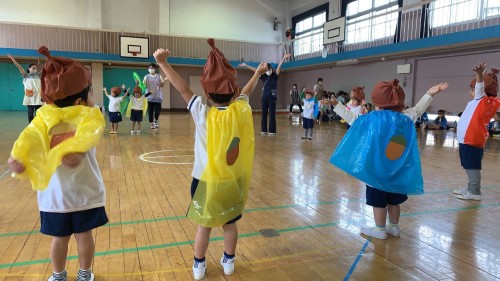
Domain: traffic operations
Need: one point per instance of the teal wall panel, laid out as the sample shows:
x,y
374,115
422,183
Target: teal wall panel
x,y
11,87
118,76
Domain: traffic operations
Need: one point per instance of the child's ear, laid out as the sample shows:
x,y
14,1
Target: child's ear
x,y
79,101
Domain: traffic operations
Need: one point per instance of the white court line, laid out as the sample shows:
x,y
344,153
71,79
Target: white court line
x,y
5,173
144,157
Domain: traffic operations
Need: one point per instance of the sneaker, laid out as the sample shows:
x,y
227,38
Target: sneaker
x,y
304,138
113,133
460,191
263,133
58,276
132,132
199,269
310,138
138,132
290,115
469,196
393,230
227,264
155,124
152,126
272,134
375,232
85,275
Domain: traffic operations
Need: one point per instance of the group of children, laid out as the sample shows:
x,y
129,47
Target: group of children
x,y
224,150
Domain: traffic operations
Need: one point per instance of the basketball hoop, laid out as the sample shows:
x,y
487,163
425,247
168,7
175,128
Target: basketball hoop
x,y
134,54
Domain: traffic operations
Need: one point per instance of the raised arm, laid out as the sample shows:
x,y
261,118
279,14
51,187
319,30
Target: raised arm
x,y
252,83
278,70
161,56
425,101
162,81
479,69
106,92
21,69
247,66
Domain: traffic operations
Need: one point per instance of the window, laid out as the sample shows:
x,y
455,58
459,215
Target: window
x,y
309,31
449,12
362,23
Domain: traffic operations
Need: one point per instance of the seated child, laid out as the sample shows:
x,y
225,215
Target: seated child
x,y
422,121
494,126
440,123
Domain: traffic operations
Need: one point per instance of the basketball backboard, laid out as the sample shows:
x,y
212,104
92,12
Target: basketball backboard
x,y
334,31
134,47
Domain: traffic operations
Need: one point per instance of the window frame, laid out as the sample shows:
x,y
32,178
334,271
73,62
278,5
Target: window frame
x,y
370,13
306,15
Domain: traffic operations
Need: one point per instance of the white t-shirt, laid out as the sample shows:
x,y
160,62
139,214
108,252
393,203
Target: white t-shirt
x,y
137,103
308,111
199,111
74,189
114,103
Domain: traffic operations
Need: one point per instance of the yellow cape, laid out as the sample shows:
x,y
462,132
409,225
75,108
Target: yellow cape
x,y
144,107
223,188
54,133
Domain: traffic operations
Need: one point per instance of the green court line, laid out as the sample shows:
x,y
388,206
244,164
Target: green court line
x,y
244,235
245,211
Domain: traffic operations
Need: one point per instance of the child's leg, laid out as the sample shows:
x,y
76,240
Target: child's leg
x,y
230,238
311,132
85,246
474,176
133,125
394,212
380,215
201,241
139,125
59,252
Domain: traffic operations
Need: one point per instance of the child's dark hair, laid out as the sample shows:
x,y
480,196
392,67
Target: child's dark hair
x,y
221,98
294,85
269,66
497,114
29,66
441,111
154,65
70,101
320,79
460,114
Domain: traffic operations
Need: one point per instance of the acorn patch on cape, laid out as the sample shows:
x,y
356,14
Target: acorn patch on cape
x,y
233,151
396,147
60,133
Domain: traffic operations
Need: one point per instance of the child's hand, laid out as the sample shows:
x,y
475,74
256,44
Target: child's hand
x,y
262,68
480,69
123,86
287,56
438,88
242,64
161,55
72,160
104,89
15,166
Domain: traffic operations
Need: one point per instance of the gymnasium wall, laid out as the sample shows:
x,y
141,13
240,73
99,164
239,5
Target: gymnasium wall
x,y
240,20
454,68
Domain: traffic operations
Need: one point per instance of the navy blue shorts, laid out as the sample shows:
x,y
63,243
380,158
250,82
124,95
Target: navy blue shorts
x,y
470,156
380,199
136,115
115,117
65,224
194,186
307,123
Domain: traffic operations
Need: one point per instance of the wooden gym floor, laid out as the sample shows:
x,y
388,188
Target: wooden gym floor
x,y
316,209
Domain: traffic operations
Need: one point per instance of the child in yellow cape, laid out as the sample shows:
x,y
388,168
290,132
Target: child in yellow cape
x,y
224,150
57,152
